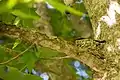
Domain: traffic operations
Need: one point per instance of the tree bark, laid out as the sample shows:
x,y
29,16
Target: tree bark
x,y
111,51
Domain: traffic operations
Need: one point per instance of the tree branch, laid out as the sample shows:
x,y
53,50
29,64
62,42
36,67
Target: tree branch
x,y
85,51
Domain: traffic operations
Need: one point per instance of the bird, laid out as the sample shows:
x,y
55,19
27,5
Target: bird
x,y
71,26
81,25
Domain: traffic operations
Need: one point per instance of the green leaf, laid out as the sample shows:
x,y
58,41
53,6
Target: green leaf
x,y
29,58
46,53
67,63
2,54
15,74
62,27
70,67
7,5
17,41
62,8
31,77
7,18
16,21
27,23
56,21
25,1
3,6
80,7
23,11
11,3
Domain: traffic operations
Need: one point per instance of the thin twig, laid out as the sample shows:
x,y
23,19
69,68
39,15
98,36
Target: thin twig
x,y
57,58
23,68
16,56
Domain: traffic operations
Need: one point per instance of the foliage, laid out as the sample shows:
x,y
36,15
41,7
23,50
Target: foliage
x,y
22,14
